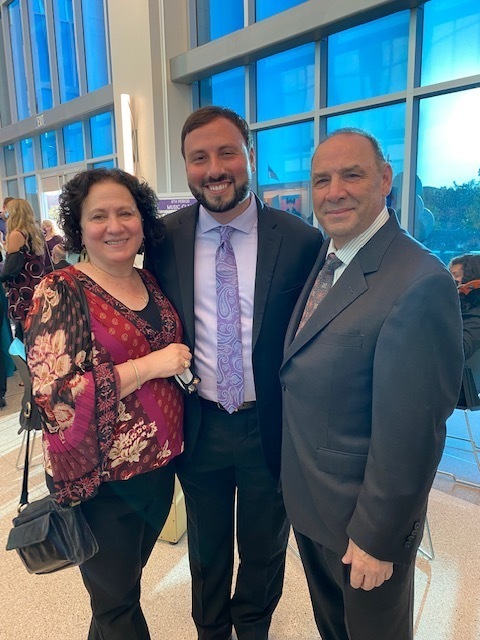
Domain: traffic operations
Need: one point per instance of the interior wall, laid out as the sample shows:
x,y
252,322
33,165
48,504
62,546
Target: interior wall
x,y
141,46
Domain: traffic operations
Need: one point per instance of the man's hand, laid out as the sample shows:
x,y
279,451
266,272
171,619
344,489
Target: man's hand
x,y
366,572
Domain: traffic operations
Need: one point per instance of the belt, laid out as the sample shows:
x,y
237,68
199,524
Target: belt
x,y
210,404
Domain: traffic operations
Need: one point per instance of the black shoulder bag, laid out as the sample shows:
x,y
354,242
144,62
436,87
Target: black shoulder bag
x,y
48,536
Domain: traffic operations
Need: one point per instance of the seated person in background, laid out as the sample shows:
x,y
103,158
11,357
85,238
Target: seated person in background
x,y
466,273
59,257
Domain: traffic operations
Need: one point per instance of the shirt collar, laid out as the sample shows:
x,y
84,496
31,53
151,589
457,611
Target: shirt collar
x,y
349,251
245,222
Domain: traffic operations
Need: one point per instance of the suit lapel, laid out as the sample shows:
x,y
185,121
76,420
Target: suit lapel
x,y
183,239
349,287
269,241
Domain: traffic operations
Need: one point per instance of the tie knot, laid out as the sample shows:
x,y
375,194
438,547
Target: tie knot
x,y
332,262
225,232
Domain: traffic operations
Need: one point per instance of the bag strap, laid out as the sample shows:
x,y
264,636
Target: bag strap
x,y
86,312
24,493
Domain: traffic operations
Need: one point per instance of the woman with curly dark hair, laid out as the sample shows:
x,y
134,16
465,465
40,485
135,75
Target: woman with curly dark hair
x,y
113,419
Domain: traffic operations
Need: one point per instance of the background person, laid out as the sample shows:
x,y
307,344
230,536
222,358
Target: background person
x,y
368,382
25,261
466,271
112,426
52,238
232,457
59,257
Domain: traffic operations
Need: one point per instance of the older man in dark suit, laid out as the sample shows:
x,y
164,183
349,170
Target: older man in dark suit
x,y
233,427
371,371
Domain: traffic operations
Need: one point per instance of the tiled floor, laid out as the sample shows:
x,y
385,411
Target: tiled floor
x,y
56,607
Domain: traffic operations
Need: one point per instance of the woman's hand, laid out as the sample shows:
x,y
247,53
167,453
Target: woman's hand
x,y
171,360
164,363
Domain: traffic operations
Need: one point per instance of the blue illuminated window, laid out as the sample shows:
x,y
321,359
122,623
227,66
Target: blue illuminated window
x,y
28,160
266,8
368,60
10,161
40,55
213,21
95,44
73,142
225,89
106,164
447,215
30,186
451,40
387,124
285,83
48,146
66,49
18,57
101,135
283,166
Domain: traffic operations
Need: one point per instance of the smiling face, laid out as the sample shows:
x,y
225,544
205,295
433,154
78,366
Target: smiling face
x,y
111,226
349,186
219,168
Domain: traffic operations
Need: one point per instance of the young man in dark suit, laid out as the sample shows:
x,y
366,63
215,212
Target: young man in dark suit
x,y
231,463
369,378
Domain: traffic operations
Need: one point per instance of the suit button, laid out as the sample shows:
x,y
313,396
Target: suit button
x,y
411,538
414,533
416,525
408,545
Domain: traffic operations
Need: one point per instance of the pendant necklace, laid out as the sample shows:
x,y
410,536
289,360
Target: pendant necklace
x,y
108,276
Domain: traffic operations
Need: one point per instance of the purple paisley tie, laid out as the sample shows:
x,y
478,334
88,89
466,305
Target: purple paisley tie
x,y
320,288
229,329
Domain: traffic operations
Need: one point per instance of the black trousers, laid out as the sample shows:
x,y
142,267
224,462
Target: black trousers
x,y
344,613
126,518
228,468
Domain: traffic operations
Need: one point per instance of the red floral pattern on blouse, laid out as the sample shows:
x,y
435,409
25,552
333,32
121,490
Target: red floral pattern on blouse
x,y
90,435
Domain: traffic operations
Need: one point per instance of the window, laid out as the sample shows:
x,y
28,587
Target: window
x,y
18,57
95,44
30,186
215,21
66,49
48,146
266,8
225,89
447,214
369,60
101,137
387,124
40,55
28,160
285,83
451,40
73,142
10,161
283,167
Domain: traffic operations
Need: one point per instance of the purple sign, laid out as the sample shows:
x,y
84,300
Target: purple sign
x,y
167,204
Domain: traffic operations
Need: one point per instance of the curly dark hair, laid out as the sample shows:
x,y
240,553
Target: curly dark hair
x,y
76,190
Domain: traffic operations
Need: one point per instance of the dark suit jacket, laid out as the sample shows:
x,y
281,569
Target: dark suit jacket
x,y
367,387
287,250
